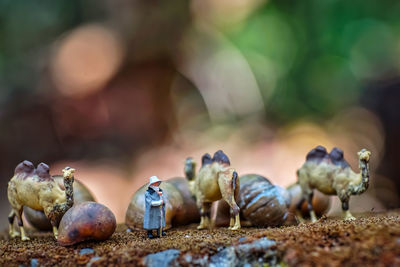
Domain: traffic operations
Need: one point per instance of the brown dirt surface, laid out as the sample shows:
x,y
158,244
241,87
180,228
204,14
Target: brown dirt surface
x,y
371,240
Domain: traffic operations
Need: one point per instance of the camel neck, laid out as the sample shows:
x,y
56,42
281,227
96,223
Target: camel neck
x,y
69,191
190,172
363,186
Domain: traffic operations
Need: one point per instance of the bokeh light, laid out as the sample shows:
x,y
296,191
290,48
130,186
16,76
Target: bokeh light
x,y
85,60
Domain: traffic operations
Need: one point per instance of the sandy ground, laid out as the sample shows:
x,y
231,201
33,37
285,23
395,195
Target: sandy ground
x,y
371,240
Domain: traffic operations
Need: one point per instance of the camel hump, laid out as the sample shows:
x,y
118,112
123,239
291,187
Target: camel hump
x,y
206,159
24,167
221,157
43,171
317,153
337,158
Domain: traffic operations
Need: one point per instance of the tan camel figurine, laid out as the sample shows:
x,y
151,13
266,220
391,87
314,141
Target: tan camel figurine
x,y
332,175
38,190
216,180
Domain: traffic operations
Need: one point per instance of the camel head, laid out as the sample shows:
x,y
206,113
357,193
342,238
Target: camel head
x,y
68,173
364,155
190,168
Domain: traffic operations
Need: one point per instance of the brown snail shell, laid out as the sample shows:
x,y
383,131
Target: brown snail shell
x,y
38,219
321,202
261,203
86,221
180,206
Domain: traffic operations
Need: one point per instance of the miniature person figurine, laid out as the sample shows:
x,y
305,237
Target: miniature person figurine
x,y
154,216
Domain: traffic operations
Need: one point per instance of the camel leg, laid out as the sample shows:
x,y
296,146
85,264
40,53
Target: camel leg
x,y
307,193
232,219
205,212
299,215
15,207
49,211
235,218
345,210
12,232
55,230
310,206
24,237
229,187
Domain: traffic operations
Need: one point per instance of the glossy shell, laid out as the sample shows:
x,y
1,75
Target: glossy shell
x,y
86,221
321,202
180,206
37,218
261,203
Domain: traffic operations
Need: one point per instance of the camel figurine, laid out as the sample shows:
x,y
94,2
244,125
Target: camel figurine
x,y
332,175
216,180
36,189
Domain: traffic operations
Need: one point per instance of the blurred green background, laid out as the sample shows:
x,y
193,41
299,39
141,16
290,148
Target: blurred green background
x,y
127,89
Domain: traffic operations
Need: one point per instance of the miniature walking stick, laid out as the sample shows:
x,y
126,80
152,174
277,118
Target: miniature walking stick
x,y
161,221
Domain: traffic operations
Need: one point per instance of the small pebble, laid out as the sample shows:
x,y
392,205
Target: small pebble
x,y
86,251
128,230
93,260
34,262
187,235
243,238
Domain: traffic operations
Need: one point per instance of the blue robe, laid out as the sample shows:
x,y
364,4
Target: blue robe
x,y
152,213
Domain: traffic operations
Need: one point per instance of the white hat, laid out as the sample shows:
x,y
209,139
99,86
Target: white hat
x,y
154,179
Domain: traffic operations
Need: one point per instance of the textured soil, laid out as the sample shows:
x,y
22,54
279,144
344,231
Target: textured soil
x,y
371,240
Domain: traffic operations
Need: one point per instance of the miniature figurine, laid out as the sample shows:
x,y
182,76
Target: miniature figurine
x,y
180,206
86,221
36,189
216,180
332,175
154,217
38,219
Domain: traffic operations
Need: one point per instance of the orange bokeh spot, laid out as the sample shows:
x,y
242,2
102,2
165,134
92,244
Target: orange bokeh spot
x,y
85,60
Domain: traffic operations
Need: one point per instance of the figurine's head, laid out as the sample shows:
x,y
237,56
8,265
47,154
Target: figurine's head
x,y
364,155
43,171
68,172
24,167
154,181
190,168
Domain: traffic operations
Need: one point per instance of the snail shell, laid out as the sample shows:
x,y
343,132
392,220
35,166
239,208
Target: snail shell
x,y
180,207
37,219
261,203
321,202
86,221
